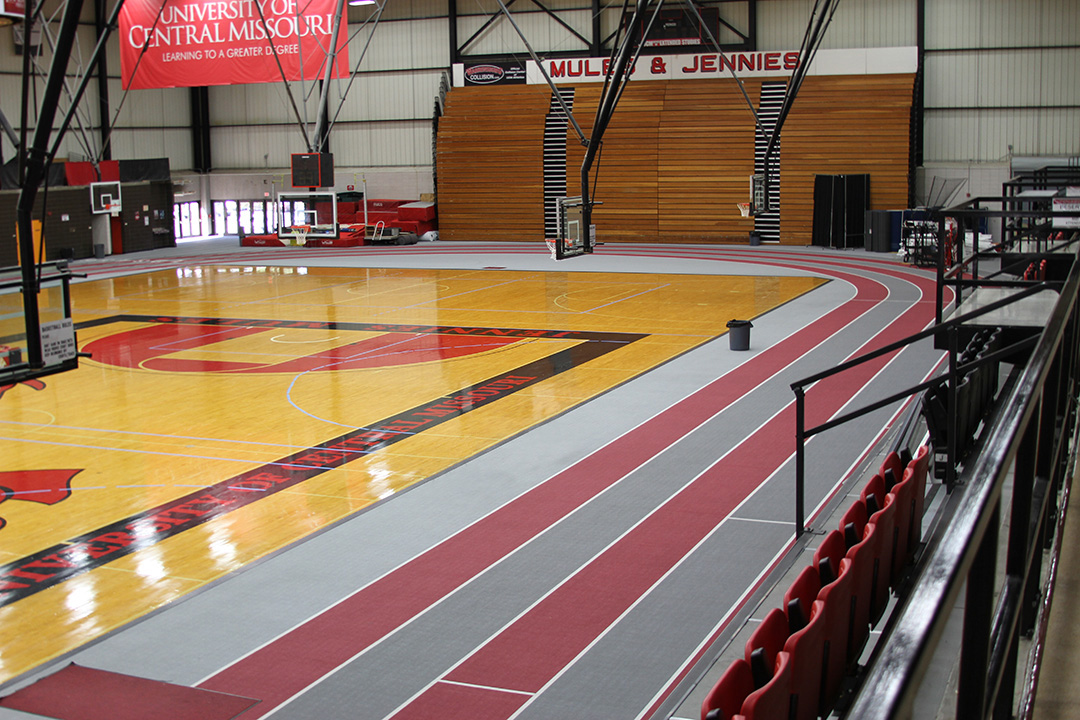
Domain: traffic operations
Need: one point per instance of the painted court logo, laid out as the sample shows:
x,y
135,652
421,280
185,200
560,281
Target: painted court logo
x,y
170,345
46,487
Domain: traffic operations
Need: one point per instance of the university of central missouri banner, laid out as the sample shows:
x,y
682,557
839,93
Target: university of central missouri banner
x,y
225,42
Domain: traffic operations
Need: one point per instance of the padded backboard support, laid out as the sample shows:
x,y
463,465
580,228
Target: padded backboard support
x,y
313,170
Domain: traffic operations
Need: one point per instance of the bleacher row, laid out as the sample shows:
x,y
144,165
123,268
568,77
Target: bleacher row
x,y
796,661
1036,271
975,394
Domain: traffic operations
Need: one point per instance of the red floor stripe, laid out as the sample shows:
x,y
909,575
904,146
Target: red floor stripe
x,y
539,645
299,658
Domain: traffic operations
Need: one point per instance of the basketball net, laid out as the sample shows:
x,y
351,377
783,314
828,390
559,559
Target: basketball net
x,y
568,244
300,234
744,209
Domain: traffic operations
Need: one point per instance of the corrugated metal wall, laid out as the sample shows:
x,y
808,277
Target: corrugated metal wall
x,y
856,24
1000,77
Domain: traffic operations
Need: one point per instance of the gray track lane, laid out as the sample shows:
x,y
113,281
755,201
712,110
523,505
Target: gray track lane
x,y
646,648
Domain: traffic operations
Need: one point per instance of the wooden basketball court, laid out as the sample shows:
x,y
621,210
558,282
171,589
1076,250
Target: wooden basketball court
x,y
228,411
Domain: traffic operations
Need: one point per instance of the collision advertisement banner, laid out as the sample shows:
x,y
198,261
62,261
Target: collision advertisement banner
x,y
189,43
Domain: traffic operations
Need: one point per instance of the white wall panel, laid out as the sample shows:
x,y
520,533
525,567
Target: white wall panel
x,y
1059,77
544,34
254,146
404,9
174,144
1002,23
1004,61
258,104
383,96
1015,97
402,45
374,144
165,107
991,135
856,24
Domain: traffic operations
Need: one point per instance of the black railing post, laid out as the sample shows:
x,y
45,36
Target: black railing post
x,y
978,612
1021,533
940,289
800,461
952,447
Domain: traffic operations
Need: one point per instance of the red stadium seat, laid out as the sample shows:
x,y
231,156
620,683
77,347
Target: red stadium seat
x,y
807,650
804,591
904,492
920,465
763,645
892,462
836,597
725,699
773,701
884,521
861,541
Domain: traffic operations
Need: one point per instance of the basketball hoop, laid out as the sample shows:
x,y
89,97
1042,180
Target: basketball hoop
x,y
744,209
300,233
551,247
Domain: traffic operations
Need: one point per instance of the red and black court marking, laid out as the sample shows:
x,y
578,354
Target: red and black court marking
x,y
46,487
33,384
91,550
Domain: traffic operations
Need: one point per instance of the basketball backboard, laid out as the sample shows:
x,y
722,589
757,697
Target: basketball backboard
x,y
759,197
105,197
306,215
58,348
574,238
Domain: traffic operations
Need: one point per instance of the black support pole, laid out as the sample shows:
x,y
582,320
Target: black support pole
x,y
102,70
920,99
451,21
200,129
596,49
36,165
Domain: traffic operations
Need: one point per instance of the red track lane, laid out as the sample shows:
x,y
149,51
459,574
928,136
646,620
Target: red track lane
x,y
302,656
540,644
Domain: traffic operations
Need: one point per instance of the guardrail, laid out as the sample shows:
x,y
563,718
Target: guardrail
x,y
956,369
1031,436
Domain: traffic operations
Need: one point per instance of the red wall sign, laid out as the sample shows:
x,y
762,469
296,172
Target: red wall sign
x,y
13,8
189,43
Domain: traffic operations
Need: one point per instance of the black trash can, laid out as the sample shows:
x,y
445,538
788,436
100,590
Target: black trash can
x,y
755,237
739,334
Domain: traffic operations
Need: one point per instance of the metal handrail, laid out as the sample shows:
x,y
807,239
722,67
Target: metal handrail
x,y
802,433
966,549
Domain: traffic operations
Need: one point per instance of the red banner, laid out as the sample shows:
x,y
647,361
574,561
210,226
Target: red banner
x,y
189,43
15,9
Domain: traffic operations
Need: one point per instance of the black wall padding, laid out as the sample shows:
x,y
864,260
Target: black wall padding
x,y
840,205
68,230
143,170
9,175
